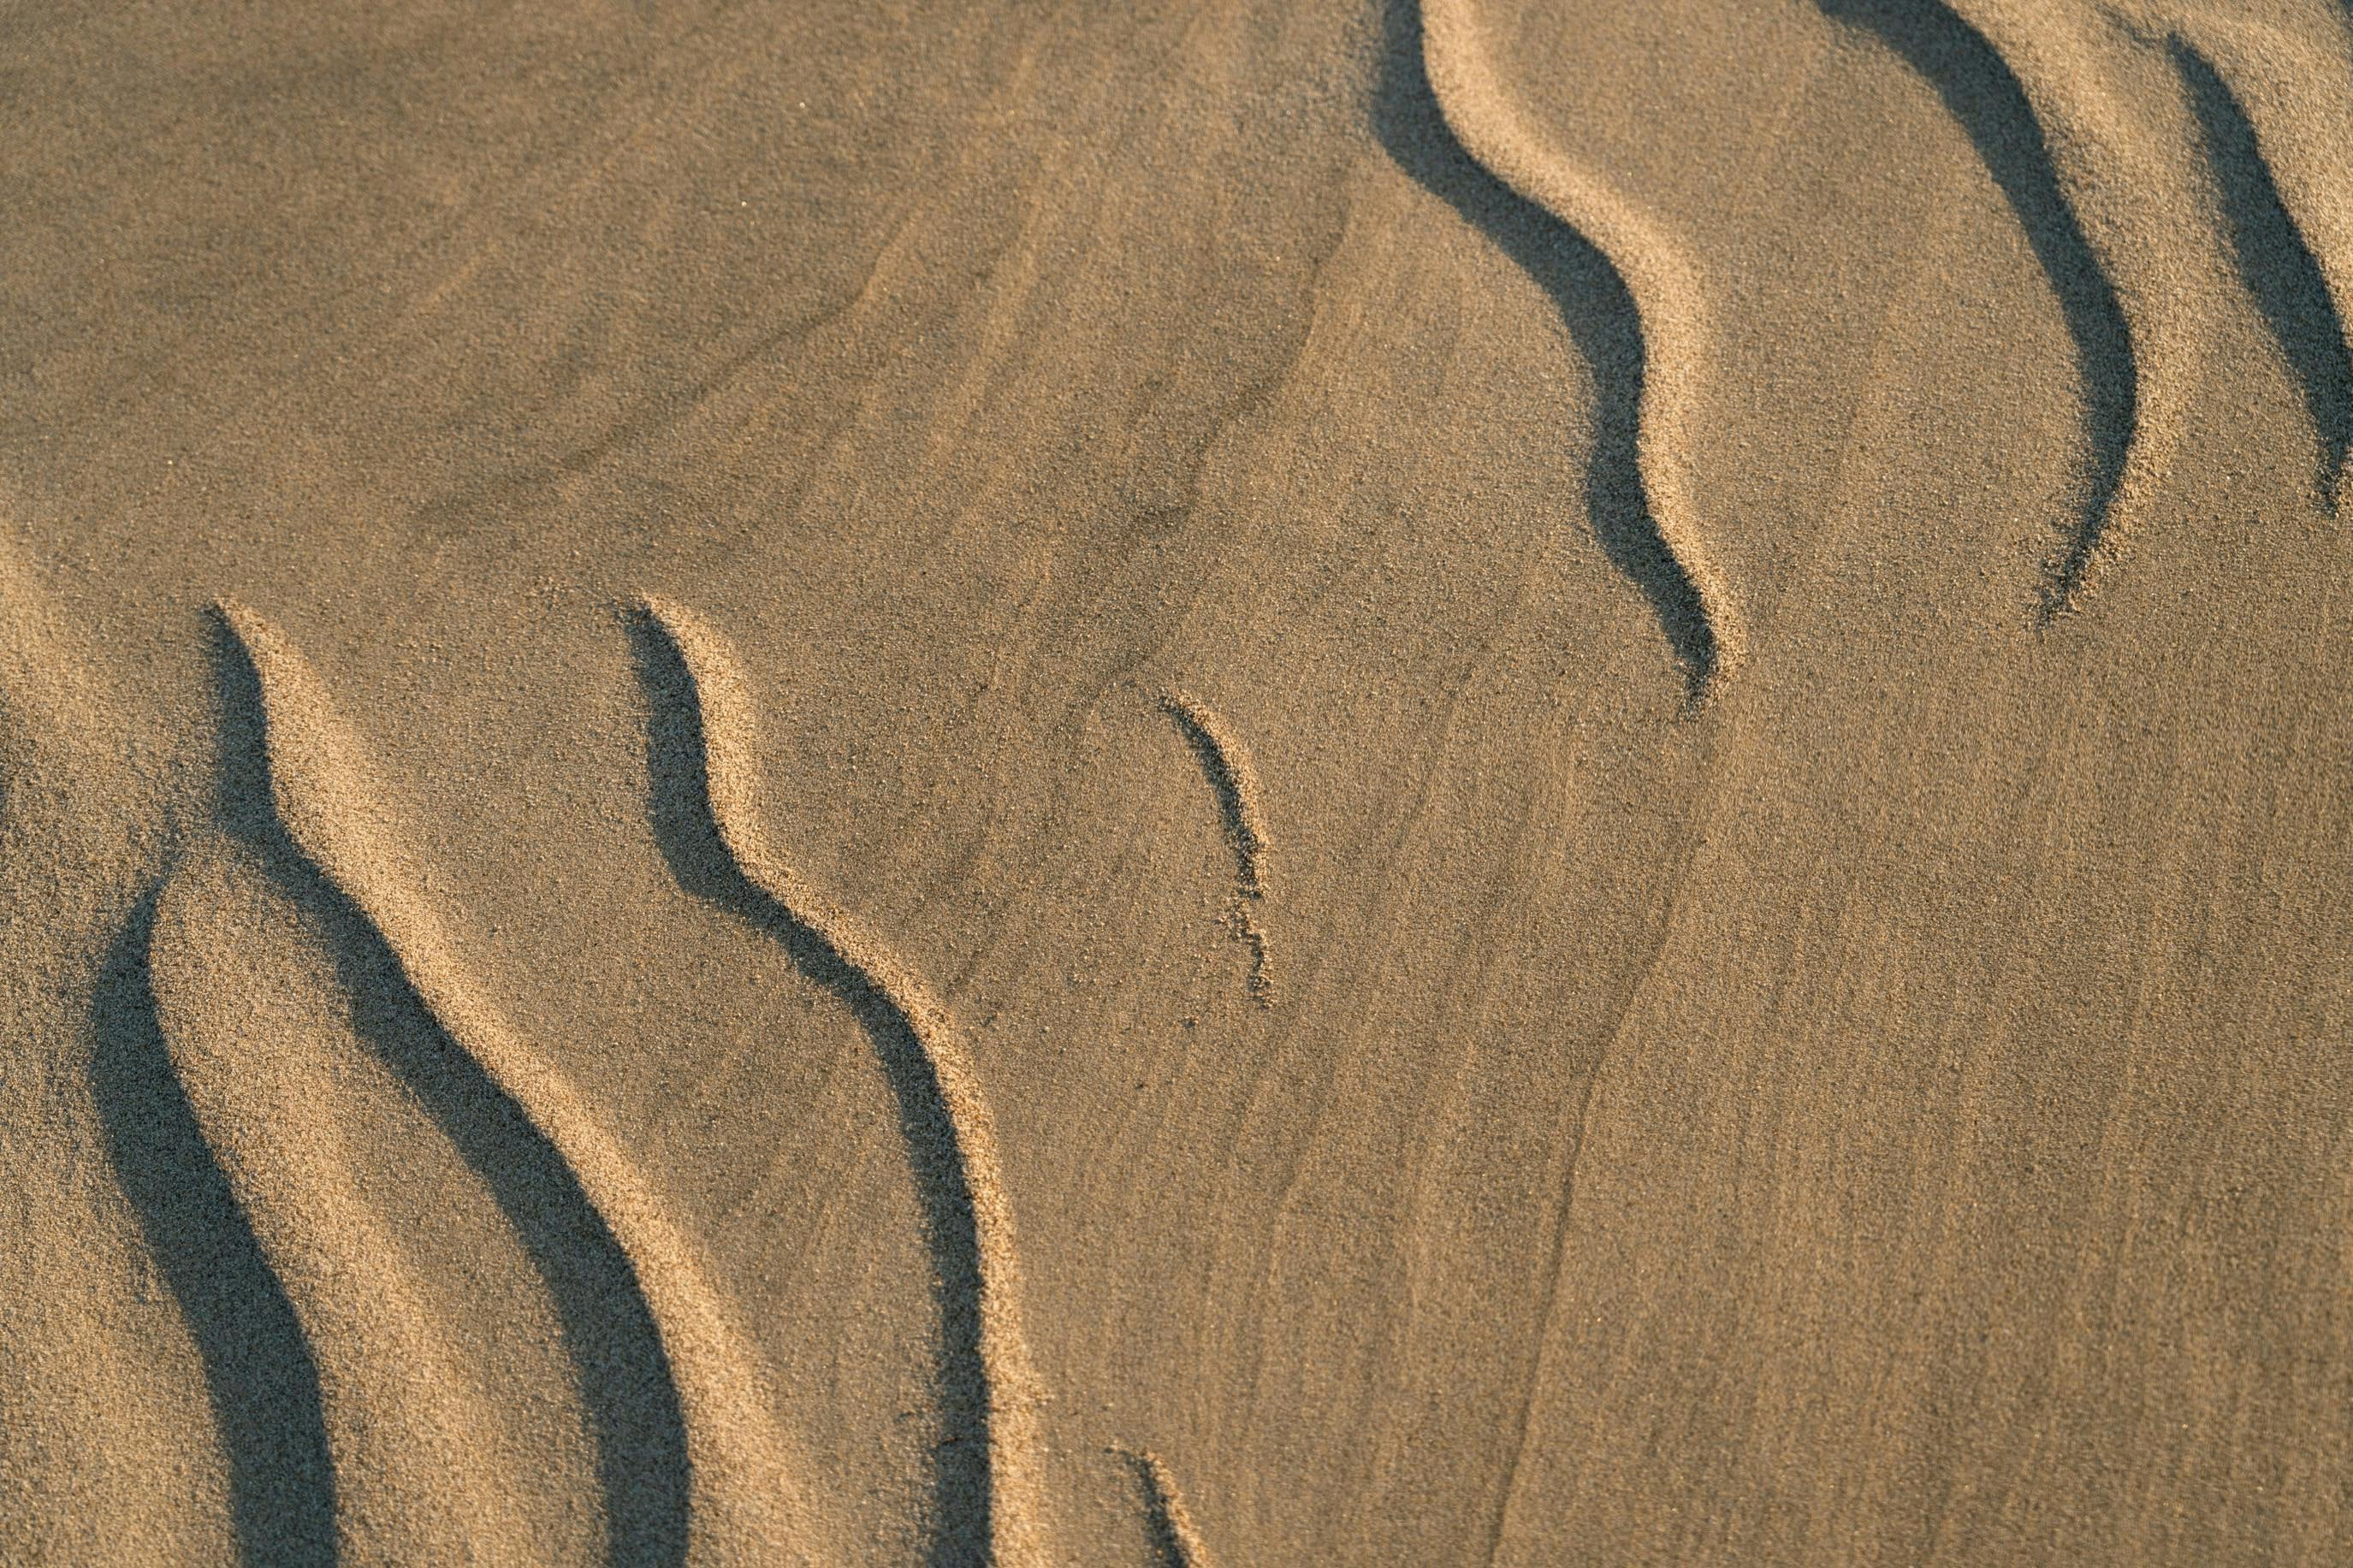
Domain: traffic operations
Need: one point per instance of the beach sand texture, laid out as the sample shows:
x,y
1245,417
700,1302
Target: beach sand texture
x,y
1411,781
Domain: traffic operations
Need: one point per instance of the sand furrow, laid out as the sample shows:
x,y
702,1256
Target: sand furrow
x,y
400,1409
2276,113
1176,1540
705,782
1227,766
1666,298
2121,173
740,1506
261,1377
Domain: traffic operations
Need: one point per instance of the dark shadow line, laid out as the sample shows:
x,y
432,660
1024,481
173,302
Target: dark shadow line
x,y
1226,784
1983,94
1169,1547
260,1375
620,1365
1594,304
2278,268
688,835
1239,813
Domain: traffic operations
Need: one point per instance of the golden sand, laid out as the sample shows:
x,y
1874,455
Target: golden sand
x,y
1417,781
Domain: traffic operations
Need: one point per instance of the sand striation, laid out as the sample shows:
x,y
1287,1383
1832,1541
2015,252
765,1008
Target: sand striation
x,y
707,778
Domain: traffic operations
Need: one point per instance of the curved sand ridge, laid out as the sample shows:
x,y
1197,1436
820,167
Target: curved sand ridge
x,y
951,1134
1175,1539
743,1507
1234,782
1663,283
2107,195
106,1384
2279,110
402,1420
2127,184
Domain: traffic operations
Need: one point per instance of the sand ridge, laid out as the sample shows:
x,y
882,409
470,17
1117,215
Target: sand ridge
x,y
1174,1536
1669,295
2094,169
744,1491
408,1424
121,1445
1231,778
2267,99
990,1387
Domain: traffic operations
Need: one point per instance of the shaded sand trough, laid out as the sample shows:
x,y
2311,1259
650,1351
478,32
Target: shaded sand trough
x,y
704,753
740,1506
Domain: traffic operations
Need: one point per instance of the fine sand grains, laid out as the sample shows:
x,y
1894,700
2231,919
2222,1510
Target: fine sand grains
x,y
745,1500
991,1390
108,1417
1669,294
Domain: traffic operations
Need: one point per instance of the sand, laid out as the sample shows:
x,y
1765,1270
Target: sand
x,y
1419,781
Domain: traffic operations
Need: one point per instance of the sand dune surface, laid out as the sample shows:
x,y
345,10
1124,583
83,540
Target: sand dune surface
x,y
1410,781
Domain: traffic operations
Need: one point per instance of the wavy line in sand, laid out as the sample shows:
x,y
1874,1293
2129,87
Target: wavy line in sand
x,y
2273,110
402,1419
743,1505
261,1379
1176,1540
1670,308
2124,179
707,782
1227,765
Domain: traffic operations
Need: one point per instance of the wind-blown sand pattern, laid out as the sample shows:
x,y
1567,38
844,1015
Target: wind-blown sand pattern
x,y
991,1391
1231,778
2267,102
1668,293
1776,993
1176,1540
2121,168
743,1503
